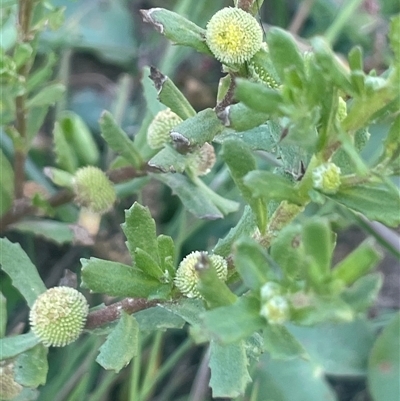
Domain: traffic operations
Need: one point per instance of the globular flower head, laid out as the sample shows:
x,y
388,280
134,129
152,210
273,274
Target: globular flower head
x,y
58,316
202,160
342,109
159,129
276,310
233,36
94,190
326,178
186,278
9,388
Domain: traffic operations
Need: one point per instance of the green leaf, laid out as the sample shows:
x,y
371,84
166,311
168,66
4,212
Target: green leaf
x,y
158,318
178,29
3,315
287,251
394,36
242,118
35,120
31,367
66,156
54,231
189,310
79,136
6,184
245,226
229,324
13,346
317,240
147,264
202,202
252,263
284,52
212,288
121,344
297,379
375,202
118,140
258,96
197,130
140,231
117,279
258,138
170,95
228,364
25,278
340,349
358,263
166,250
241,161
384,363
364,292
168,160
47,96
272,187
334,69
281,344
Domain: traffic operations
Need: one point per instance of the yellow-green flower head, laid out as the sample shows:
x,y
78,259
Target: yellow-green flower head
x,y
202,160
94,190
186,278
9,388
159,129
276,310
233,36
58,316
326,178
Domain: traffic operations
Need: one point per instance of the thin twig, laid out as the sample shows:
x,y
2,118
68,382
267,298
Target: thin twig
x,y
24,20
301,15
112,312
228,98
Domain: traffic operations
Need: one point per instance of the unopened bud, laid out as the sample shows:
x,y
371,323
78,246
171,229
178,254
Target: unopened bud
x,y
326,178
159,129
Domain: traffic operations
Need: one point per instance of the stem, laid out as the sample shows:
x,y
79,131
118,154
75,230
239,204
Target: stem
x,y
301,15
24,20
345,13
112,312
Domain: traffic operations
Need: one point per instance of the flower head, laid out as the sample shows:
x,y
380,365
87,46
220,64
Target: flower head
x,y
275,310
326,178
186,278
9,388
94,190
233,35
58,316
159,129
202,160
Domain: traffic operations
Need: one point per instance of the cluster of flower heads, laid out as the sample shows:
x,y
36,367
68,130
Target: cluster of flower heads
x,y
58,316
274,305
186,278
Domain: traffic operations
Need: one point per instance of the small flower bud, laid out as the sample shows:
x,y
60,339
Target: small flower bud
x,y
269,290
233,35
58,316
326,178
159,129
201,161
9,388
186,278
94,190
275,310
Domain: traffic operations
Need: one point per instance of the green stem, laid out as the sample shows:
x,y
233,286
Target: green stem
x,y
344,15
135,374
